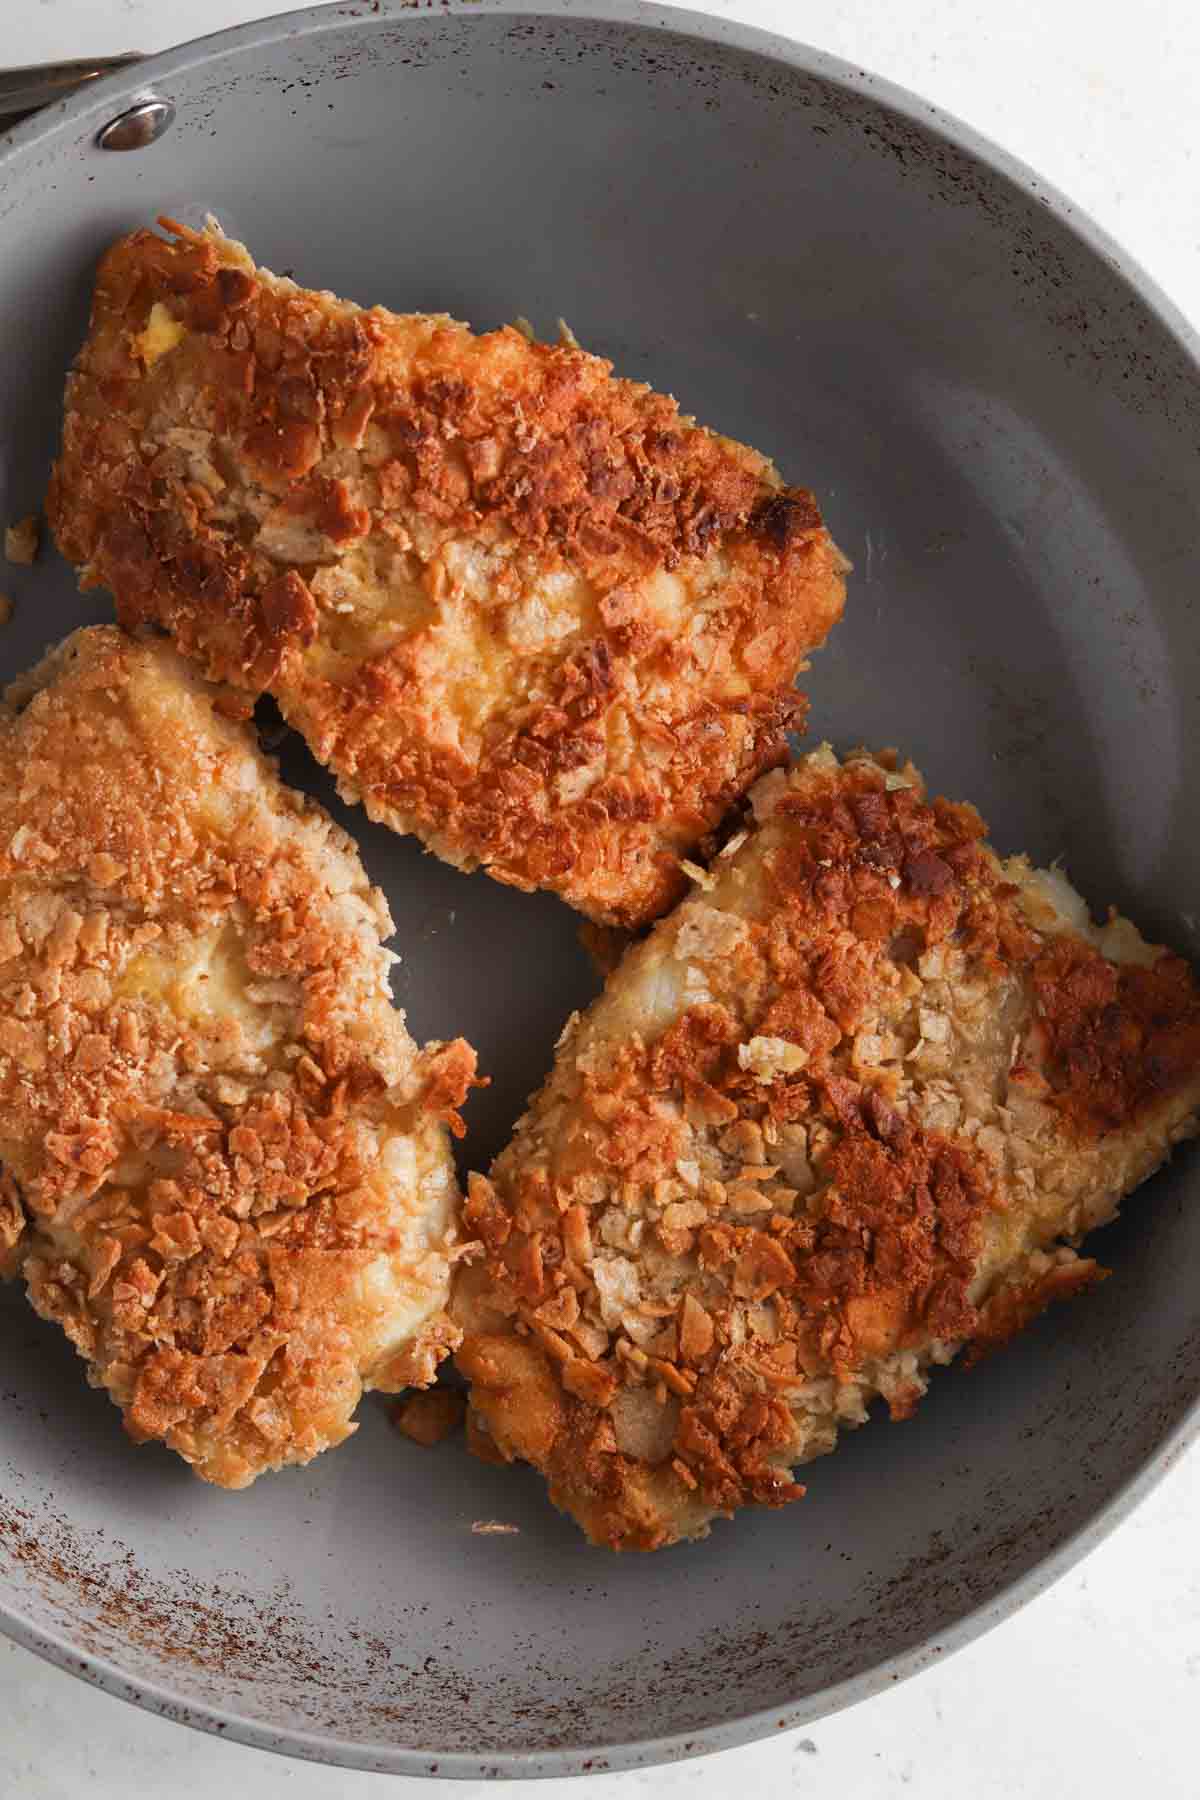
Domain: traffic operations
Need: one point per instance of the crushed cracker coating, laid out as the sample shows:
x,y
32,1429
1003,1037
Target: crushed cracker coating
x,y
430,1417
520,608
695,873
844,1114
226,1172
21,540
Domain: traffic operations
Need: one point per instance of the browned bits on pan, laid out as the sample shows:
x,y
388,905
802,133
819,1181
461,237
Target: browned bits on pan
x,y
21,540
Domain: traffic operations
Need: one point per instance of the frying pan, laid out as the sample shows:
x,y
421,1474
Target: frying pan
x,y
1000,415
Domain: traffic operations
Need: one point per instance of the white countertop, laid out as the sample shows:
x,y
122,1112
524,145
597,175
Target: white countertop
x,y
1090,1689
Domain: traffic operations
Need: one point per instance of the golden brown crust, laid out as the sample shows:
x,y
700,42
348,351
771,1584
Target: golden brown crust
x,y
225,1169
429,1418
1114,1041
830,1122
1018,1302
21,541
520,608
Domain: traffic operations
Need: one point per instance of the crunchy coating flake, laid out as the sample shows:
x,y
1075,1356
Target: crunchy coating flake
x,y
21,541
226,1172
846,1111
522,609
430,1416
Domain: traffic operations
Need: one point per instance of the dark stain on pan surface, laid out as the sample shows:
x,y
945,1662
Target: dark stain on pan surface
x,y
262,1652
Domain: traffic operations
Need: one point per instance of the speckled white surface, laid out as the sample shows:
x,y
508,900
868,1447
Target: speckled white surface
x,y
1093,1689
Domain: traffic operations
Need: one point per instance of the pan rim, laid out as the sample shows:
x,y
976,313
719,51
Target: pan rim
x,y
98,101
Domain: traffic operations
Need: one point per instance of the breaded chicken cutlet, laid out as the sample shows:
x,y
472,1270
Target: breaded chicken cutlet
x,y
520,608
226,1169
846,1112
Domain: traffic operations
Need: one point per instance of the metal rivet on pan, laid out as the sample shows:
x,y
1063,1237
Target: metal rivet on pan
x,y
139,126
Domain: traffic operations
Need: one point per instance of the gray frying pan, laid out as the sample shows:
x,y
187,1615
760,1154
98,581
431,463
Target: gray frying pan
x,y
1001,417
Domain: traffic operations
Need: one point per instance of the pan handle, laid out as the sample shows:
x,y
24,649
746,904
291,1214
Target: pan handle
x,y
23,91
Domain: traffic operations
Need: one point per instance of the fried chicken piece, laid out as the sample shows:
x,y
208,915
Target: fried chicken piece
x,y
226,1170
846,1112
520,608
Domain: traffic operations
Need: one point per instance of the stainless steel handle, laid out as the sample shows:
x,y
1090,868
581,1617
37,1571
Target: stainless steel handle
x,y
23,91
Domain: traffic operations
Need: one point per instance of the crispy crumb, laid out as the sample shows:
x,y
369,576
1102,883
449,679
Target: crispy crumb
x,y
843,1114
698,875
226,1168
771,1058
429,1418
21,540
494,1528
521,608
